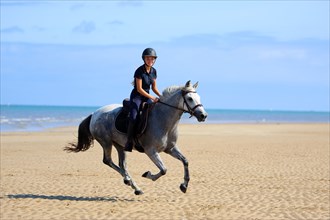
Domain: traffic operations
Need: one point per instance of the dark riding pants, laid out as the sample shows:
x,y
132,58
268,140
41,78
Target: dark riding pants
x,y
135,102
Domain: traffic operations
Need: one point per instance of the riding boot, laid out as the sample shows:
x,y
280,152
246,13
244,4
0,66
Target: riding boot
x,y
130,136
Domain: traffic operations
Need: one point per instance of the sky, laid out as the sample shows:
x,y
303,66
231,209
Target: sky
x,y
268,55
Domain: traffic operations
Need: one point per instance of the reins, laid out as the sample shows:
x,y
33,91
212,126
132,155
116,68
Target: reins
x,y
172,106
190,110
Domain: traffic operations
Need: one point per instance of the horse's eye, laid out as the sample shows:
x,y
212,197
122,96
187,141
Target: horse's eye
x,y
190,99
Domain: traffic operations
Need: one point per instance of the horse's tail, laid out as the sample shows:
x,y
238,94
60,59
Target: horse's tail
x,y
85,138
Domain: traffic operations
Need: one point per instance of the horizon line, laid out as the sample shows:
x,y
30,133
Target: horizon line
x,y
211,109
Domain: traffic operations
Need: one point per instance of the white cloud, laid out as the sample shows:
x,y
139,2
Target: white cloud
x,y
85,27
12,30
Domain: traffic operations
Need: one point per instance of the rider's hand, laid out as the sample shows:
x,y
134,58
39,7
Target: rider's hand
x,y
155,99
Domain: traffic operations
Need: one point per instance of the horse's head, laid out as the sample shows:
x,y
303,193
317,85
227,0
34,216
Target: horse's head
x,y
192,103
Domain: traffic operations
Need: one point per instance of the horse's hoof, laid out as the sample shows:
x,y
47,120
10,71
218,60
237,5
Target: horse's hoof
x,y
138,192
183,188
146,174
127,182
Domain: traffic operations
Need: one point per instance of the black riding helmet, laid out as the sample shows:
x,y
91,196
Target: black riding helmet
x,y
149,52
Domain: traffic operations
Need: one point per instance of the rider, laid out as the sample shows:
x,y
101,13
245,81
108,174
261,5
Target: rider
x,y
144,77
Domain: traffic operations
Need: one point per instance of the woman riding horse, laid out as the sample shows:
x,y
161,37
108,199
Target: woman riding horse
x,y
144,77
160,135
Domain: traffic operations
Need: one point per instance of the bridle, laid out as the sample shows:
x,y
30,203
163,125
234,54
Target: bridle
x,y
191,111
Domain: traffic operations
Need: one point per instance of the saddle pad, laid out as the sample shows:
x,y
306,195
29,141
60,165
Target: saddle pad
x,y
121,122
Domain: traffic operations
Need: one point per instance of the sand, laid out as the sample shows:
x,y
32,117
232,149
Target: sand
x,y
254,171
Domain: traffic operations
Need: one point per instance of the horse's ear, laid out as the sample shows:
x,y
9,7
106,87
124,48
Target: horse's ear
x,y
188,84
195,85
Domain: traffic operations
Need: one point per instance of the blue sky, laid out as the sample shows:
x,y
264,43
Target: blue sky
x,y
245,54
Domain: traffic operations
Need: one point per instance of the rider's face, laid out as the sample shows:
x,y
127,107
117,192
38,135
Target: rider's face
x,y
149,60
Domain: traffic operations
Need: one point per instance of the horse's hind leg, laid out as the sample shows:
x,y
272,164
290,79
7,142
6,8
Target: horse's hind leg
x,y
175,152
107,149
122,163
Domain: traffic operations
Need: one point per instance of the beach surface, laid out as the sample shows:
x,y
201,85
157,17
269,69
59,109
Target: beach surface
x,y
237,171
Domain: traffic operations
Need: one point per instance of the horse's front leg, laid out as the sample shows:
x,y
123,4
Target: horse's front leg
x,y
175,152
154,156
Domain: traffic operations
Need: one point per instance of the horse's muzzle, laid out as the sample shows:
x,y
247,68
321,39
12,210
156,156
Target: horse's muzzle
x,y
200,115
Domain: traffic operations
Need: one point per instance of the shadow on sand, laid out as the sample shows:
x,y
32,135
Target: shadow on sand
x,y
70,198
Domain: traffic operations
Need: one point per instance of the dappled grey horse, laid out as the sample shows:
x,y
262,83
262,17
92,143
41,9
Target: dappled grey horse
x,y
161,133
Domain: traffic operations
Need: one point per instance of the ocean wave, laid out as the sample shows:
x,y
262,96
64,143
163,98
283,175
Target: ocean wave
x,y
39,123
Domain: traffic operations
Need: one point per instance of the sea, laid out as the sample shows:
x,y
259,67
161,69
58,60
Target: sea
x,y
38,118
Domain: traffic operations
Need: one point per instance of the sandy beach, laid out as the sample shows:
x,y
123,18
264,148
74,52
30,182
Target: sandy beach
x,y
249,171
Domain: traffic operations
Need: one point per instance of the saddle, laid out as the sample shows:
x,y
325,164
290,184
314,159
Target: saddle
x,y
121,120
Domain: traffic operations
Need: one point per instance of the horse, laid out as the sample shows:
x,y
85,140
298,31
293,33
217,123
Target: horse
x,y
160,135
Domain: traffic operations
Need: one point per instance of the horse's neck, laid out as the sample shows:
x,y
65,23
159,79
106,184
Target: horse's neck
x,y
169,117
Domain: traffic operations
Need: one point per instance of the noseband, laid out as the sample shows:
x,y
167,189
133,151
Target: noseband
x,y
191,111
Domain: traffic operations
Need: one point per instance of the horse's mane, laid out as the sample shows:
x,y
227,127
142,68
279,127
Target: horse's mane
x,y
169,91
